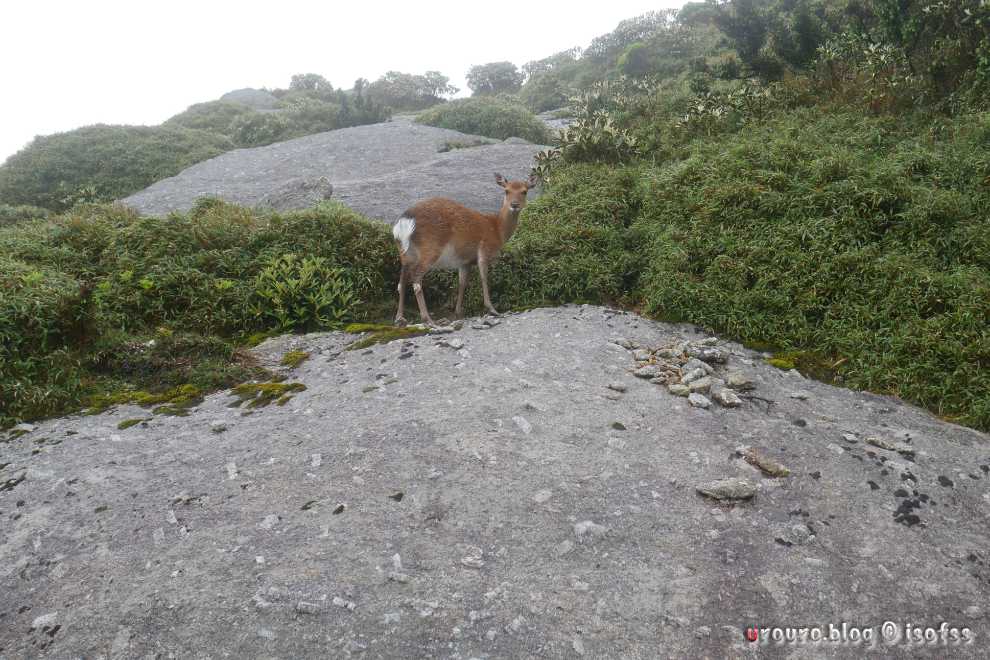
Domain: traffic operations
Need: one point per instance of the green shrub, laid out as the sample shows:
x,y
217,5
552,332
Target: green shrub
x,y
83,294
99,163
214,116
489,117
259,129
10,215
543,92
303,294
854,239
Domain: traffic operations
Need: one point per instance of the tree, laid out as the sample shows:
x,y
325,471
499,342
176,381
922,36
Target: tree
x,y
405,91
311,82
553,63
494,77
636,61
438,85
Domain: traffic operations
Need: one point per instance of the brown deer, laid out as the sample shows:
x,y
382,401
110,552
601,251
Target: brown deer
x,y
440,233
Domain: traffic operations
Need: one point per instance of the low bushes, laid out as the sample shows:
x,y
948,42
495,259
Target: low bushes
x,y
491,117
101,299
101,163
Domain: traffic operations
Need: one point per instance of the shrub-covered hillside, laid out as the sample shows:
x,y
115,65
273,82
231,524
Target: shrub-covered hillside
x,y
103,163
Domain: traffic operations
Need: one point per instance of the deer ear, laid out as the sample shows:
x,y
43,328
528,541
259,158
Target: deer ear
x,y
533,181
499,179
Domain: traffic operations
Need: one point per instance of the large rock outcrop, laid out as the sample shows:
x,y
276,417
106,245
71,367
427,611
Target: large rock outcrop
x,y
532,488
378,169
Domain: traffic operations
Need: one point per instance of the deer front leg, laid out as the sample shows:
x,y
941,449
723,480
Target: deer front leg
x,y
400,318
483,272
462,280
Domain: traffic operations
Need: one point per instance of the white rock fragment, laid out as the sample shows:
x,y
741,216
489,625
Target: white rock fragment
x,y
588,528
269,521
473,557
44,620
307,608
523,425
542,496
344,603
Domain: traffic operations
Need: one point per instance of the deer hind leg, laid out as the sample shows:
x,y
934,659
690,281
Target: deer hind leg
x,y
483,273
462,281
417,285
400,318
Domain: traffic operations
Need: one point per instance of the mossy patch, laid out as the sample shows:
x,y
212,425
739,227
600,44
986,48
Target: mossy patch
x,y
781,363
173,401
294,358
808,363
259,395
381,334
128,423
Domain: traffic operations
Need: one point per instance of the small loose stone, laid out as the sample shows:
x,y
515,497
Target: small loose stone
x,y
732,488
763,462
699,401
589,528
726,397
649,371
523,425
678,389
473,558
693,375
307,608
618,387
702,385
737,380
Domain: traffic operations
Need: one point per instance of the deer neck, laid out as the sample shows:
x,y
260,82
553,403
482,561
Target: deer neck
x,y
507,220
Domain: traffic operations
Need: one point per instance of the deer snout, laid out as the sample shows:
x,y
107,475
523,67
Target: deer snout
x,y
515,206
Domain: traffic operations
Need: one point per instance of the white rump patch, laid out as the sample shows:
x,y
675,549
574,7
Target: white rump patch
x,y
403,230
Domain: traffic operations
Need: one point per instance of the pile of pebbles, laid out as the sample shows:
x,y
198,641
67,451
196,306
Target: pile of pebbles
x,y
696,370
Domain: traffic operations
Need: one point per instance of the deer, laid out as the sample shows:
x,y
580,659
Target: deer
x,y
439,233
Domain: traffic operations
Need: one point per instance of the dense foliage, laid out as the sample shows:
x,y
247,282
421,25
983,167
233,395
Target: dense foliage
x,y
102,162
491,117
494,77
100,299
407,92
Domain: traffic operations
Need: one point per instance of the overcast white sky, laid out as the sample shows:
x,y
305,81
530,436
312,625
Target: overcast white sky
x,y
72,63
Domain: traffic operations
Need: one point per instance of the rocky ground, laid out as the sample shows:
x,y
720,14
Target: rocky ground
x,y
378,169
570,482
